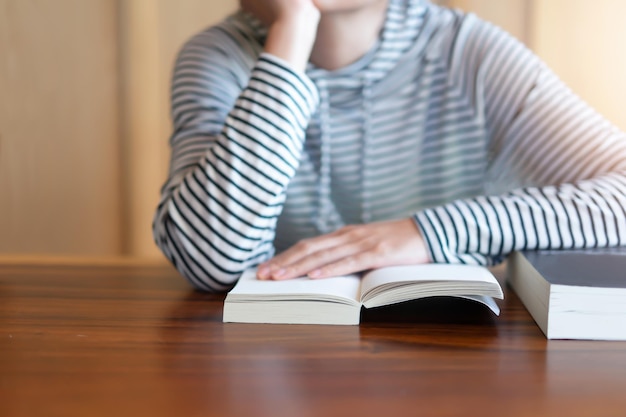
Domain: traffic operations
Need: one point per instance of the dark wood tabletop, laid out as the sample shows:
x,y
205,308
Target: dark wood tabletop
x,y
130,340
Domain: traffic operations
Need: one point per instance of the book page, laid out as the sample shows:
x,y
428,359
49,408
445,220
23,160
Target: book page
x,y
433,273
342,289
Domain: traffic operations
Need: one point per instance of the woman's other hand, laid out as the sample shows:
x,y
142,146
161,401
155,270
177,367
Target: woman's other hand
x,y
292,27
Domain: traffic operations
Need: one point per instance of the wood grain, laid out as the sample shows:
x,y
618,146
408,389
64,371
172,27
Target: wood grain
x,y
582,42
84,120
59,138
128,341
152,33
511,15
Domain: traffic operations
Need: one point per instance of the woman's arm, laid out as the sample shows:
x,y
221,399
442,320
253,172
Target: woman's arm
x,y
558,168
236,145
557,176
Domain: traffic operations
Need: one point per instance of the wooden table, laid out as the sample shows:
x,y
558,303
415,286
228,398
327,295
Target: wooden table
x,y
137,341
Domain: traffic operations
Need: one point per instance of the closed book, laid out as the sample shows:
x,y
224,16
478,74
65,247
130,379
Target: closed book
x,y
573,294
339,300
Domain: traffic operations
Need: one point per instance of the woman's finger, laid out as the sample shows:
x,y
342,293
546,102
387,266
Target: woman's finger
x,y
301,250
357,262
319,259
350,250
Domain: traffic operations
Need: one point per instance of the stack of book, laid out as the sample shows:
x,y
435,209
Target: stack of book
x,y
578,294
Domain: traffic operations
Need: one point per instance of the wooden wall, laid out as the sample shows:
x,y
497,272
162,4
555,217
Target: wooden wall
x,y
581,40
152,32
512,15
59,127
84,116
584,42
84,120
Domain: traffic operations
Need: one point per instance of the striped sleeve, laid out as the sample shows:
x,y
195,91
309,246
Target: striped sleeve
x,y
559,167
234,151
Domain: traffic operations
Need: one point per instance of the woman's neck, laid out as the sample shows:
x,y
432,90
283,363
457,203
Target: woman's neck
x,y
345,36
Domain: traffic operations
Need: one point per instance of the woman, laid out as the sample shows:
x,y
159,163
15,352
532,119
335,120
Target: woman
x,y
352,134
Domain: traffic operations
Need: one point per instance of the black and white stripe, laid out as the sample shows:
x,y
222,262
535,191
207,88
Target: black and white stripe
x,y
449,120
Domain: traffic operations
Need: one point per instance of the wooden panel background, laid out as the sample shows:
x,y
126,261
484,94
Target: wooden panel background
x,y
512,15
583,41
152,32
59,127
84,120
84,112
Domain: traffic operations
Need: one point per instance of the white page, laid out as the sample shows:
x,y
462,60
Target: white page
x,y
346,287
426,272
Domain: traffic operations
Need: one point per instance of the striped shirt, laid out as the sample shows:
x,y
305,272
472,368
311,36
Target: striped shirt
x,y
448,120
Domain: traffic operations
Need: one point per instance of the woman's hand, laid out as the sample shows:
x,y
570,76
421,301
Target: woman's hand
x,y
292,27
271,11
349,250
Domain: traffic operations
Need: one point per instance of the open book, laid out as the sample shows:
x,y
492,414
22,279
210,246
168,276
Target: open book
x,y
339,300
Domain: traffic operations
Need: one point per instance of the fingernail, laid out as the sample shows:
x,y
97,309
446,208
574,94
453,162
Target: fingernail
x,y
279,273
263,272
315,274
